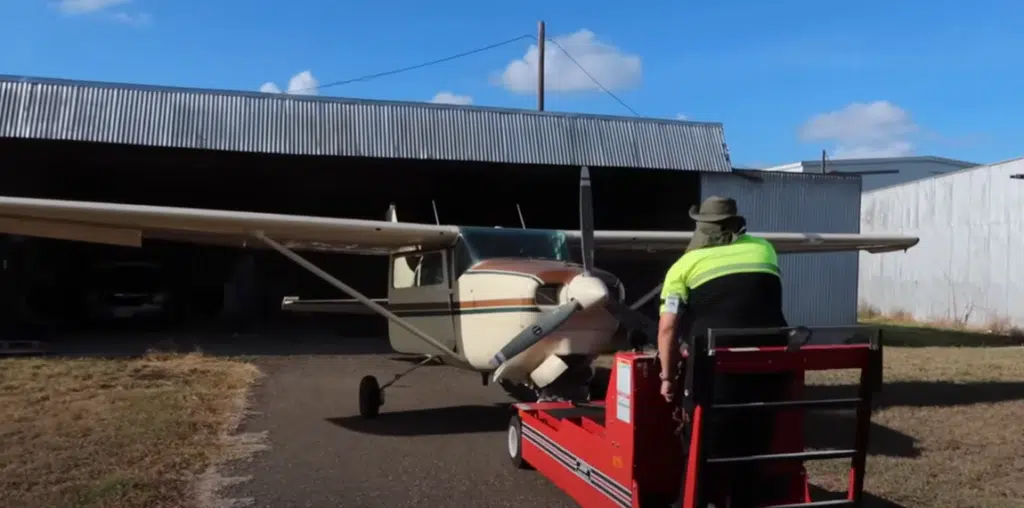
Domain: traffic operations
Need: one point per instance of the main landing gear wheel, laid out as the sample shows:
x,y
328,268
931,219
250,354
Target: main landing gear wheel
x,y
515,443
370,398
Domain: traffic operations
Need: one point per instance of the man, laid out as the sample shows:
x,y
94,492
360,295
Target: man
x,y
725,279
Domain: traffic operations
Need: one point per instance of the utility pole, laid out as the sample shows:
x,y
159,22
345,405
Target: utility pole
x,y
540,65
824,161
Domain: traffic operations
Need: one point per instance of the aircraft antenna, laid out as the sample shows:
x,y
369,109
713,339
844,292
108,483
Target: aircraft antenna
x,y
521,220
437,218
586,221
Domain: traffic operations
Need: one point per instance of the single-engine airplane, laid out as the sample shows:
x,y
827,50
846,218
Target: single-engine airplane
x,y
508,303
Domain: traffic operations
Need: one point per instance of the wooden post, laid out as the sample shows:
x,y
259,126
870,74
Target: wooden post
x,y
540,65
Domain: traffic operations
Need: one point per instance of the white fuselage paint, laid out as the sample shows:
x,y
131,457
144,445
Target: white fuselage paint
x,y
490,304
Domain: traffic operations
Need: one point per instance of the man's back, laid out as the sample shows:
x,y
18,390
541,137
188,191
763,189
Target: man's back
x,y
730,286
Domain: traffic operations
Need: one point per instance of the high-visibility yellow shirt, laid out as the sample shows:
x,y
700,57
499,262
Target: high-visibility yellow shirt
x,y
747,254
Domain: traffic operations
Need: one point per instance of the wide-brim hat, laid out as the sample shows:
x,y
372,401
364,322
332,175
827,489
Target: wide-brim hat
x,y
714,209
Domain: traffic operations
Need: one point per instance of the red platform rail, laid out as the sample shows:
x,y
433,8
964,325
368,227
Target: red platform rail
x,y
626,451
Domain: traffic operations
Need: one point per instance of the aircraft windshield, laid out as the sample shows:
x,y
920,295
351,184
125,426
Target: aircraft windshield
x,y
487,243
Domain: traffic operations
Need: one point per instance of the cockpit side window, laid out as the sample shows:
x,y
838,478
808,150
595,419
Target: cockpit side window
x,y
403,270
431,271
418,270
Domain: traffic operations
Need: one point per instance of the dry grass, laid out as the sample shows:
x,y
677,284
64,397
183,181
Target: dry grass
x,y
997,326
114,433
948,431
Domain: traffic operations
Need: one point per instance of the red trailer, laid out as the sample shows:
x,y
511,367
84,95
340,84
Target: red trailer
x,y
624,452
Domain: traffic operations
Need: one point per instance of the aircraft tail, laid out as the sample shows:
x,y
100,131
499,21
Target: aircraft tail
x,y
392,213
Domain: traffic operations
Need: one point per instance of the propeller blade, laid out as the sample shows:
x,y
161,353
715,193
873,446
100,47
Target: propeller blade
x,y
533,334
586,220
632,318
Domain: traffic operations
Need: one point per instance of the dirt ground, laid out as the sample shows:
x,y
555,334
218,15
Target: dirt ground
x,y
948,430
120,433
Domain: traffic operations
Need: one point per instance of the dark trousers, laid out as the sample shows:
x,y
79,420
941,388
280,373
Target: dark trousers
x,y
741,434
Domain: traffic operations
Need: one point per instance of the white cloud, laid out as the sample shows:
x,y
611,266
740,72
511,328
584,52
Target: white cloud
x,y
680,116
141,19
303,83
607,64
85,6
876,129
103,8
451,98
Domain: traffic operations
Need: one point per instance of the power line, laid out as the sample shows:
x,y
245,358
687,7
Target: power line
x,y
392,72
592,78
370,77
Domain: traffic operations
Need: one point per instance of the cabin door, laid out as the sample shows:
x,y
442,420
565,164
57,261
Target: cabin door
x,y
420,293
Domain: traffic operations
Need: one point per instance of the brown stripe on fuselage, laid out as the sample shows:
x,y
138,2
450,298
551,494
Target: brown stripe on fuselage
x,y
470,304
497,302
550,272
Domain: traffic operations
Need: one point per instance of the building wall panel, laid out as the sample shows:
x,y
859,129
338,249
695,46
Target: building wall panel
x,y
967,266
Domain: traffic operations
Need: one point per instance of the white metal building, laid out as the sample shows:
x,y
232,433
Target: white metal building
x,y
819,289
967,267
906,169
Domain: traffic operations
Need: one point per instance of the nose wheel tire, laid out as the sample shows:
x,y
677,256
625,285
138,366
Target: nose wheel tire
x,y
370,399
515,443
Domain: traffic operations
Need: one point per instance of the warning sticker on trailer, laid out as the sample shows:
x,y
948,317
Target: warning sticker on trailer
x,y
624,390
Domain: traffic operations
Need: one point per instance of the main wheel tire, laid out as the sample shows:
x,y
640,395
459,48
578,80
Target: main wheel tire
x,y
515,443
369,397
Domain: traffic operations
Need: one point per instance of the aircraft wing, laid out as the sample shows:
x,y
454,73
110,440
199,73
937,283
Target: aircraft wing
x,y
676,242
128,225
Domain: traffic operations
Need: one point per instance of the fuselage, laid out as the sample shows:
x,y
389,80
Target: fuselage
x,y
495,299
478,295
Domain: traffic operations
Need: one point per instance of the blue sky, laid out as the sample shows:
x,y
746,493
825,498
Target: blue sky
x,y
787,77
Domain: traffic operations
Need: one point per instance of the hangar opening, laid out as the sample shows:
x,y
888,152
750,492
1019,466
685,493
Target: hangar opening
x,y
69,285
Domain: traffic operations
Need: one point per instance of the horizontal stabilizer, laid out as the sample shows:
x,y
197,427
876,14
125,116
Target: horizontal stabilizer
x,y
344,306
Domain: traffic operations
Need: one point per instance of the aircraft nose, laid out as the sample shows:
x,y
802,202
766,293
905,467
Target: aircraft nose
x,y
587,290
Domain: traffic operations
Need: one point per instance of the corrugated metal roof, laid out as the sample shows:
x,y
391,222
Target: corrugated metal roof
x,y
291,124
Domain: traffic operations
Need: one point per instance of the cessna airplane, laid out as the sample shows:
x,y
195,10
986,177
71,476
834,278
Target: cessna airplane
x,y
508,303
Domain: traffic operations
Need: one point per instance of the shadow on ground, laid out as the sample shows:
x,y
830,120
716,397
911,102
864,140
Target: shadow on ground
x,y
835,430
870,500
928,394
470,419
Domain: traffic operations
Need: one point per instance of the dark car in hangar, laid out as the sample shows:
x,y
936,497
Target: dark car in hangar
x,y
130,292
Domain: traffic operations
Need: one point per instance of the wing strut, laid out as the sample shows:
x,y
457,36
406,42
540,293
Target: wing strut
x,y
376,307
646,298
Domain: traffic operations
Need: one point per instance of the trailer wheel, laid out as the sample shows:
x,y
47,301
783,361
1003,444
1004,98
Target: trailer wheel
x,y
515,443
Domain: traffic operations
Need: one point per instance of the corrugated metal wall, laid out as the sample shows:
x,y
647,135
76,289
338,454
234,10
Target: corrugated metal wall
x,y
966,267
820,289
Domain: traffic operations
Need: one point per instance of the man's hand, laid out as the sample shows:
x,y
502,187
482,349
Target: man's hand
x,y
668,390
